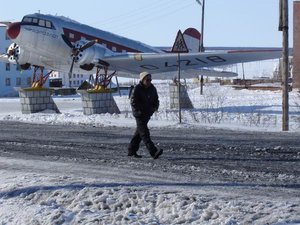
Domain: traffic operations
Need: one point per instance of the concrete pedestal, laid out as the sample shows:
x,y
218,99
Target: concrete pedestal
x,y
185,101
98,102
36,100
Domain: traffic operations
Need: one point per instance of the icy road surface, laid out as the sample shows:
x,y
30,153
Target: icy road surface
x,y
57,174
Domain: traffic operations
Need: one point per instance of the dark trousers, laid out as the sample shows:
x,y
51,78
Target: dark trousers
x,y
141,134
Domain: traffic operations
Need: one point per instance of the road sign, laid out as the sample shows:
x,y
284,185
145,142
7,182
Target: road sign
x,y
179,44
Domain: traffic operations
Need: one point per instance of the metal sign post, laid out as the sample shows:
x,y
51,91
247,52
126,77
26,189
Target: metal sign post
x,y
179,47
179,103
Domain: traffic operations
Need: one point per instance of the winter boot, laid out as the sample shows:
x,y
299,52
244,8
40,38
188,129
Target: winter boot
x,y
157,154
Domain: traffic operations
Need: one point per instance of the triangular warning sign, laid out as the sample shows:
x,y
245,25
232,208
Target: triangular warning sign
x,y
179,44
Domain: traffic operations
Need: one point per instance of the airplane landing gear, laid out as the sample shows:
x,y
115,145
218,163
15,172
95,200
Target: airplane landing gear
x,y
102,81
38,81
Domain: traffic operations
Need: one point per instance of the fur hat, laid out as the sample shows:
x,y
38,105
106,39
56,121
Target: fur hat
x,y
143,75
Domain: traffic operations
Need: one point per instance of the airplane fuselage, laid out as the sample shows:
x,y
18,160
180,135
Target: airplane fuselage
x,y
40,39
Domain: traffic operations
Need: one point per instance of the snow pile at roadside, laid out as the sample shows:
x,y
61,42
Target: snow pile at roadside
x,y
35,192
85,204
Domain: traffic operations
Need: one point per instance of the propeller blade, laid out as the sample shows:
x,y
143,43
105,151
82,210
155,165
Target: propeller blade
x,y
72,65
67,41
87,45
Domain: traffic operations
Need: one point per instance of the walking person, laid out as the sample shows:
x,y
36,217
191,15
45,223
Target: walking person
x,y
144,102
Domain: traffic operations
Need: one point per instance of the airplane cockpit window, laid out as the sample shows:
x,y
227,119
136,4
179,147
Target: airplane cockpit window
x,y
37,22
27,20
48,24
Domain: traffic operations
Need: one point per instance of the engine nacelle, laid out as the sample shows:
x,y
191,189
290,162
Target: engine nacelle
x,y
92,54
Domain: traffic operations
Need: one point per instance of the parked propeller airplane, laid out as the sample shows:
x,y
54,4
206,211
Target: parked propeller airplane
x,y
61,44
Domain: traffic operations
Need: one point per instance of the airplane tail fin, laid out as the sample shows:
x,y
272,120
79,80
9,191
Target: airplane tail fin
x,y
192,39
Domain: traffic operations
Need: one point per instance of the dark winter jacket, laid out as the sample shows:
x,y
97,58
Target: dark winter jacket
x,y
144,101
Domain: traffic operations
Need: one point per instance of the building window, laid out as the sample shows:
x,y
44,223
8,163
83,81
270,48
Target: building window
x,y
7,81
7,66
74,75
18,81
28,81
70,83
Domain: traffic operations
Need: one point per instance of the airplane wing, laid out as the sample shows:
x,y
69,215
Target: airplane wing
x,y
168,62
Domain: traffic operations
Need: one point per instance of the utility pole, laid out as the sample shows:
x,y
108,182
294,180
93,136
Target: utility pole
x,y
201,47
284,27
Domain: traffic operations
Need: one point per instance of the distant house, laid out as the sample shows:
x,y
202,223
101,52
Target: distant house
x,y
10,76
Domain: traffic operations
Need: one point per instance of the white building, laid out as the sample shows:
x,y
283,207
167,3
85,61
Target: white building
x,y
73,81
10,76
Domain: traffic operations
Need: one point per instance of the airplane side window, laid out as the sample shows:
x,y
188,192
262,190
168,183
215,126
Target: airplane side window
x,y
71,35
42,23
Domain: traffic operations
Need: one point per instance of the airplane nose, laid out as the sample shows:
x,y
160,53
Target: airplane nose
x,y
13,30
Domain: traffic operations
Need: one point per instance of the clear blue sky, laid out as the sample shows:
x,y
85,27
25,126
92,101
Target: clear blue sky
x,y
156,22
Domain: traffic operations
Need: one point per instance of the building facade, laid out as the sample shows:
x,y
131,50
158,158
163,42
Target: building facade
x,y
71,81
10,76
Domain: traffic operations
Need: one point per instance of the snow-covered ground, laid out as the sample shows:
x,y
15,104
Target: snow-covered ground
x,y
220,106
64,192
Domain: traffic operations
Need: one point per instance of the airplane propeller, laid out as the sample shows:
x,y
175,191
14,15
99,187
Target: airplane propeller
x,y
12,53
75,50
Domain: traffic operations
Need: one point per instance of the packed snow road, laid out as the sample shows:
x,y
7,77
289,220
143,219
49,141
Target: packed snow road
x,y
206,156
58,174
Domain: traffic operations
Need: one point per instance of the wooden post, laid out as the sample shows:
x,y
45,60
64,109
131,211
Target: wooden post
x,y
283,26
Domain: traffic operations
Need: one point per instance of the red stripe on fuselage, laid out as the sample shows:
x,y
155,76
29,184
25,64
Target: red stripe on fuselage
x,y
76,36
